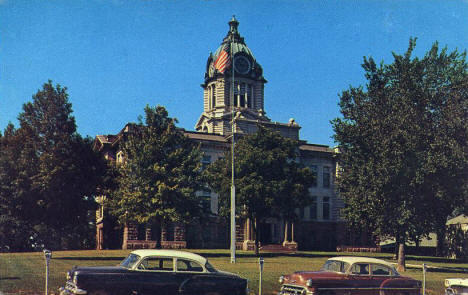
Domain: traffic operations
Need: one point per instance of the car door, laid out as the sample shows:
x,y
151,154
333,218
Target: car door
x,y
361,280
155,275
191,277
379,275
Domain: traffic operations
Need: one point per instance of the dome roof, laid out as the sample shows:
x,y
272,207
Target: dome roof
x,y
235,46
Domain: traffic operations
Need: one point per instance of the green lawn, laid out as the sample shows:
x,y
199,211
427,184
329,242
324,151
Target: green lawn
x,y
25,272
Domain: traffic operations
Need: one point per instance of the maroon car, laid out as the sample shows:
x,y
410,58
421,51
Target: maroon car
x,y
350,275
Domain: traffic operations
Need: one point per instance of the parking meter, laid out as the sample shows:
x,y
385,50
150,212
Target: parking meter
x,y
47,256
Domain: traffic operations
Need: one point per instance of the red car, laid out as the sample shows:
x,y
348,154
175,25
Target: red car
x,y
350,275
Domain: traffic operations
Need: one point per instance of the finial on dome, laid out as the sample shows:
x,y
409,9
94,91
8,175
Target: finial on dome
x,y
233,23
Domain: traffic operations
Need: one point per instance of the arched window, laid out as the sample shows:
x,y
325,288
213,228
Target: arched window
x,y
213,96
242,98
248,90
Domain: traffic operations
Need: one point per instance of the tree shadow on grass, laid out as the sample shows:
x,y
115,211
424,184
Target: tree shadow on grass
x,y
9,278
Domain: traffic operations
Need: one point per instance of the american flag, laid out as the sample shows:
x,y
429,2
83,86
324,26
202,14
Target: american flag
x,y
223,61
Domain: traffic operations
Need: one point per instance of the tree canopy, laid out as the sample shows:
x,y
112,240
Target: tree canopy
x,y
269,181
49,176
160,174
403,144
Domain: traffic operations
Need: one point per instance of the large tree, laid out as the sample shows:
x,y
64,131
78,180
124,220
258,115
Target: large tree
x,y
269,181
54,176
403,143
160,175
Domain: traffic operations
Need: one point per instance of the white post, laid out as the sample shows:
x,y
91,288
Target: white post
x,y
424,278
47,255
260,262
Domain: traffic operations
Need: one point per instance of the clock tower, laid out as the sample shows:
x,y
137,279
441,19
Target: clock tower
x,y
234,84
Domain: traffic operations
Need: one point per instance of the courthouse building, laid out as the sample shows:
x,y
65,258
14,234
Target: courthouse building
x,y
234,83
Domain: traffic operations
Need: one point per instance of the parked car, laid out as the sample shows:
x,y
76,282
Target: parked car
x,y
456,286
350,275
162,272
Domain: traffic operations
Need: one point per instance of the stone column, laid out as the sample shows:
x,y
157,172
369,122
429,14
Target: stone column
x,y
179,232
292,232
163,233
148,234
286,225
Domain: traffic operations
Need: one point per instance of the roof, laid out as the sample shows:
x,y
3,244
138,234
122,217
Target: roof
x,y
357,259
316,148
461,219
171,253
205,136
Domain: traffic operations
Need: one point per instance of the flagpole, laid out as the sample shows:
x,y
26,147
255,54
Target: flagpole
x,y
233,187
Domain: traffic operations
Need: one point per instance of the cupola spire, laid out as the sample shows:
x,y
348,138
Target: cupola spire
x,y
233,34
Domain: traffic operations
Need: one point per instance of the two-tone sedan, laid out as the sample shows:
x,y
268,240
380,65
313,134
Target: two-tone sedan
x,y
350,275
164,272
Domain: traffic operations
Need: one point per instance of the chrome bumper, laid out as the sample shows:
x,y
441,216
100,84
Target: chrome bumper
x,y
71,289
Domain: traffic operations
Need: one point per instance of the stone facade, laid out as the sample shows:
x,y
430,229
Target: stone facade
x,y
233,101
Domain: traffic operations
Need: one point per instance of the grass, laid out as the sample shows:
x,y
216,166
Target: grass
x,y
25,272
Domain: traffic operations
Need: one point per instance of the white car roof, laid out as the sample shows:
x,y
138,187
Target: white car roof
x,y
456,282
171,253
356,259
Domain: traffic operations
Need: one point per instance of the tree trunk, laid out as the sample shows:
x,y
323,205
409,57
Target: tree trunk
x,y
257,251
441,241
401,257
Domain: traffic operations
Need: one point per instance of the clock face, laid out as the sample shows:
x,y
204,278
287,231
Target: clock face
x,y
242,64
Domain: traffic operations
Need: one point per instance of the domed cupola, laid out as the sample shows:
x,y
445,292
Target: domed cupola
x,y
233,83
234,48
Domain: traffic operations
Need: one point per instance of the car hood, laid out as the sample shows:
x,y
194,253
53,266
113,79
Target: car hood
x,y
99,269
300,277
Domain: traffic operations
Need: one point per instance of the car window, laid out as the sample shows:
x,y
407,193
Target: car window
x,y
157,263
360,269
130,261
380,270
335,266
188,265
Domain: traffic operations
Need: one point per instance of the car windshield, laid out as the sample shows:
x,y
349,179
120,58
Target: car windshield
x,y
335,266
130,261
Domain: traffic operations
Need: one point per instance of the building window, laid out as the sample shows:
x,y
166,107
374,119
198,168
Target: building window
x,y
313,209
213,97
326,176
205,200
326,208
313,169
249,96
206,160
301,213
242,96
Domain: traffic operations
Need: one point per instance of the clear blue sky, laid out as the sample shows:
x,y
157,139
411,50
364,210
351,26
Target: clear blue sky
x,y
116,56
